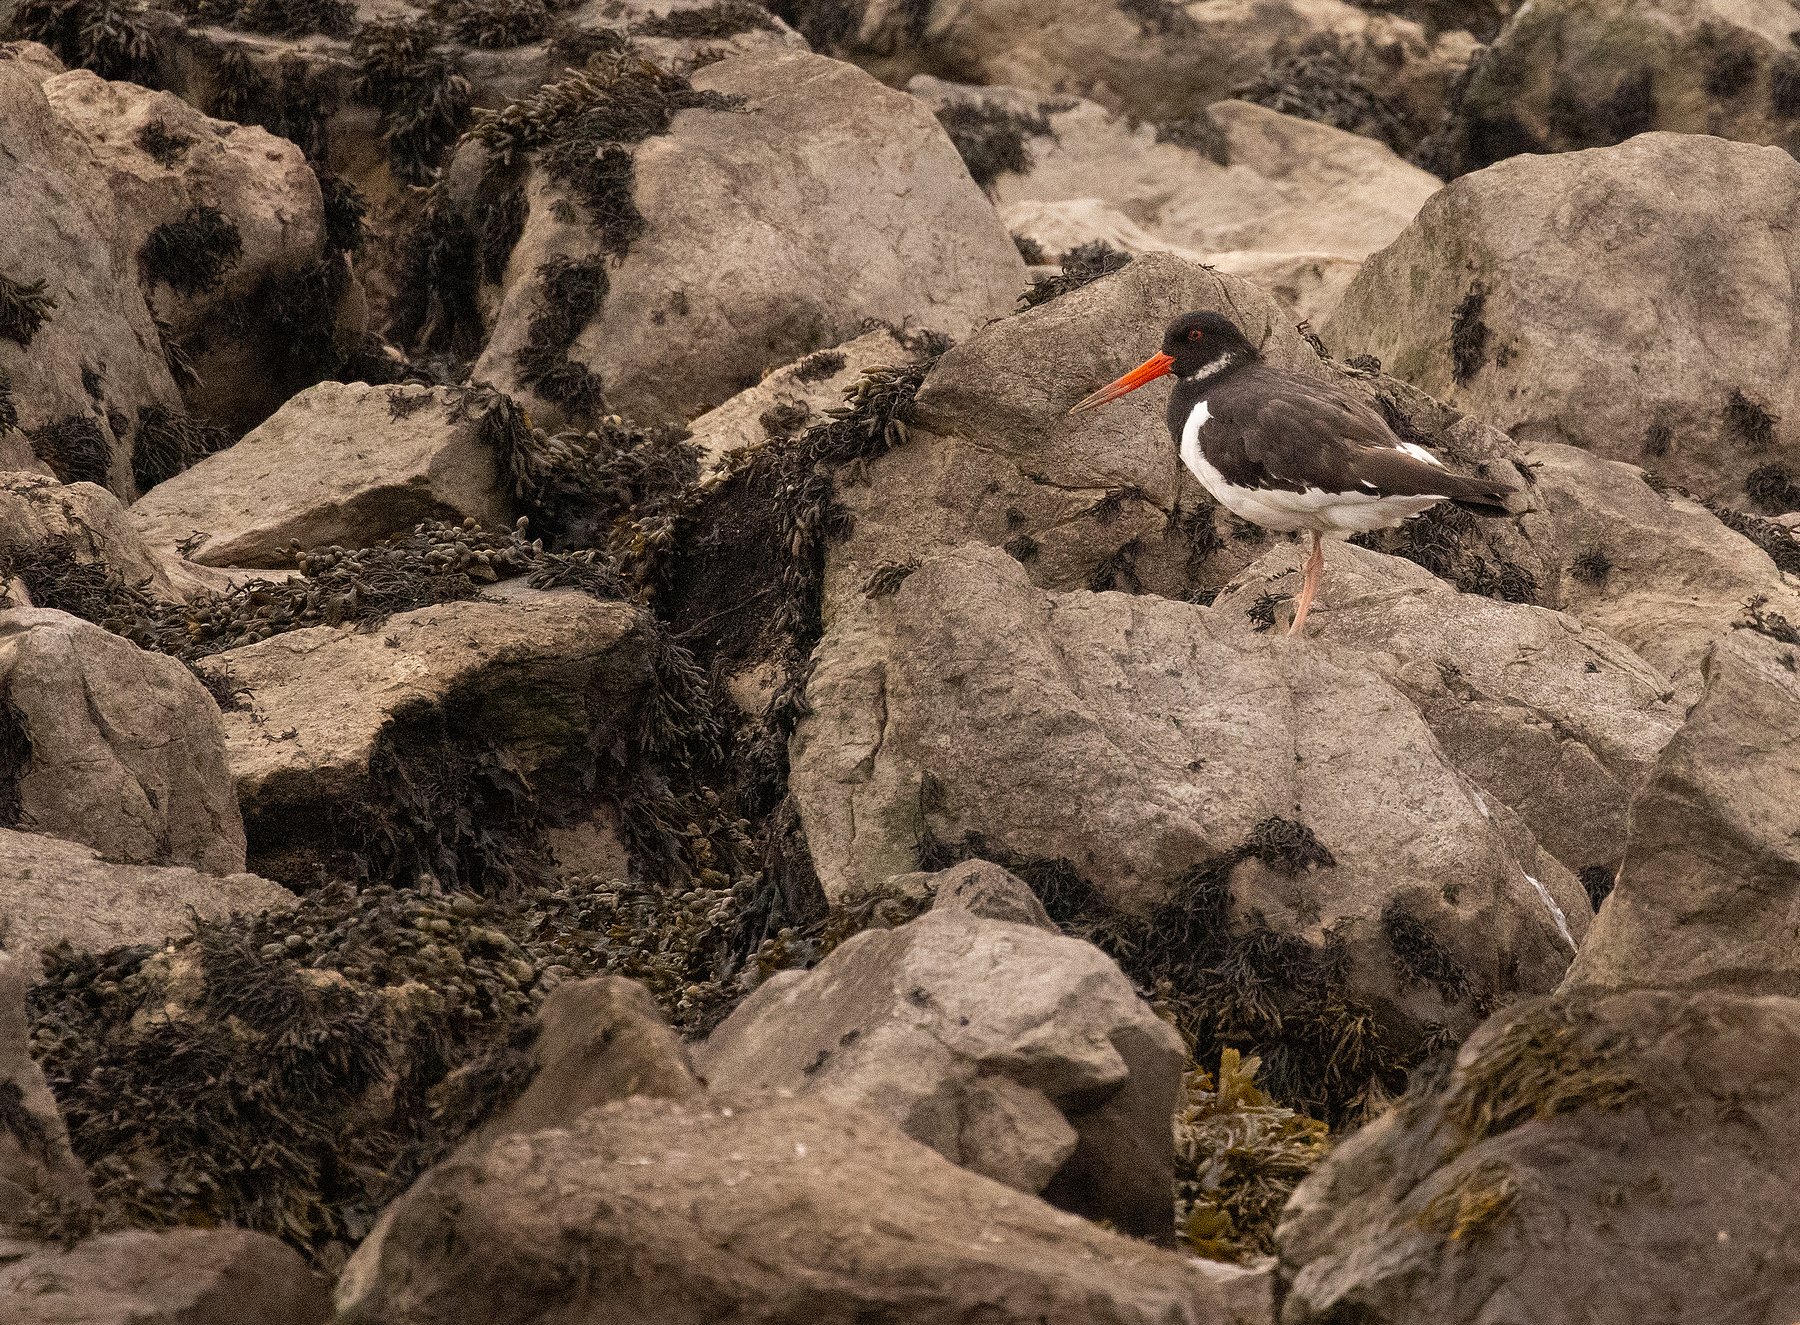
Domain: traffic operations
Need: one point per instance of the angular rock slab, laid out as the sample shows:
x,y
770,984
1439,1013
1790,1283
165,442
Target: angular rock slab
x,y
1549,717
748,1211
1612,1159
1010,1050
115,747
1136,738
53,891
181,1276
1539,293
1709,894
546,677
342,462
842,195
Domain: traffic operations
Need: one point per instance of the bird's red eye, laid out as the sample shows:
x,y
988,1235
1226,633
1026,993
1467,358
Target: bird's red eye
x,y
1195,334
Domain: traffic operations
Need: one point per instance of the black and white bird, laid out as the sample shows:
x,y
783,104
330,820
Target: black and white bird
x,y
1289,453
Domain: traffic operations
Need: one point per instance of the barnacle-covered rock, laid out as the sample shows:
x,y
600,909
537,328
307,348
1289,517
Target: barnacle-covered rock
x,y
640,276
342,463
1009,1049
749,1209
1647,1135
55,892
1274,830
186,1276
419,740
1550,718
112,746
224,222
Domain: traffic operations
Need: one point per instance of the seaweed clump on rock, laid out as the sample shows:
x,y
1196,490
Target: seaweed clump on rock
x,y
1082,265
107,36
23,309
1318,83
193,254
991,138
424,98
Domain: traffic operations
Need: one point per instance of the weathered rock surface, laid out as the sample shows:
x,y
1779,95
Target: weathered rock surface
x,y
754,1210
1271,181
792,396
1138,740
1012,1051
115,747
341,463
89,324
36,1164
1311,284
1539,293
1647,1136
217,303
1707,895
52,890
1094,501
770,196
43,519
182,1276
598,1041
330,718
1157,62
1549,717
1568,74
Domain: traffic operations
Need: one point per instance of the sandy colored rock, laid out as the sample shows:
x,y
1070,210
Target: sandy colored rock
x,y
52,891
1538,294
183,1276
770,196
747,1211
1311,284
1706,897
115,747
1554,719
343,463
63,232
1010,1050
40,516
1647,1134
1136,739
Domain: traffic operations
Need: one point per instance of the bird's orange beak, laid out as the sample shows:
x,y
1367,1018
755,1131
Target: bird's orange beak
x,y
1157,365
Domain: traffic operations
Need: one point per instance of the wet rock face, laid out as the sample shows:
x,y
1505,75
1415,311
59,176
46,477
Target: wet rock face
x,y
669,1191
1538,294
113,747
760,186
1010,1050
1576,1118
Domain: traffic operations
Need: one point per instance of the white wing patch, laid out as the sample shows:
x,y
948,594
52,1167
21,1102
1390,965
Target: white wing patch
x,y
1418,452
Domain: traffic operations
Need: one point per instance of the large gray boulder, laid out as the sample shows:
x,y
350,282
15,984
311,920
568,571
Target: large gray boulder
x,y
1569,74
743,1211
1553,719
1158,751
181,1276
1612,1159
1540,294
332,724
112,746
1706,898
71,313
768,192
342,463
53,891
1010,1050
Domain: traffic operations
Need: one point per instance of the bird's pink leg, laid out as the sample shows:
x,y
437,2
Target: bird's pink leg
x,y
1309,583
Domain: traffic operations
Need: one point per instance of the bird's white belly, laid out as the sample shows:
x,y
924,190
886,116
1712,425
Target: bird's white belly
x,y
1339,513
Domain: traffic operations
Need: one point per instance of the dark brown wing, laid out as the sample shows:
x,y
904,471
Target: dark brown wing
x,y
1284,432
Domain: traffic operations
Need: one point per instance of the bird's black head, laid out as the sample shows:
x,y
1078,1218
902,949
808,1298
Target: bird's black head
x,y
1198,341
1194,345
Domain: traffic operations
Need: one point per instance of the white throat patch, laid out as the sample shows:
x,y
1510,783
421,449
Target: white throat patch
x,y
1211,370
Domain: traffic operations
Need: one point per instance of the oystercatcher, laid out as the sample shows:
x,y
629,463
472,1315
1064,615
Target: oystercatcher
x,y
1287,452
